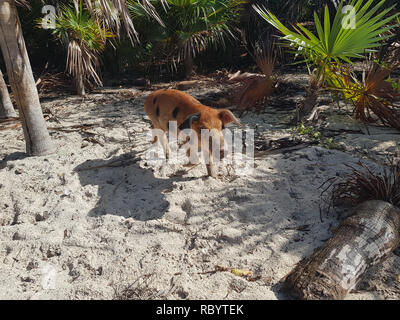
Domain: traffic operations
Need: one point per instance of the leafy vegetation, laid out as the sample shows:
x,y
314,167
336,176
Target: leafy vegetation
x,y
315,135
188,27
336,42
373,95
85,40
348,36
129,36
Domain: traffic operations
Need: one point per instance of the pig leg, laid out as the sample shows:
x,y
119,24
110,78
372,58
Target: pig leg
x,y
165,145
211,170
194,162
162,137
155,138
208,157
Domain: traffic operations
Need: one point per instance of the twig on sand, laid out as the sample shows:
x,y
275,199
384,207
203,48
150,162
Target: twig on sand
x,y
93,140
56,119
74,128
48,115
82,128
259,154
142,289
9,120
217,269
117,186
14,126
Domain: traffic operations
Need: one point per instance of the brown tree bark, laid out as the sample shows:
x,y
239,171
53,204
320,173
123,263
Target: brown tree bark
x,y
79,85
361,241
188,63
6,107
308,104
20,75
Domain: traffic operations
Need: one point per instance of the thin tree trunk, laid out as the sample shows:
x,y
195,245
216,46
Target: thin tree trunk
x,y
20,75
6,107
361,241
79,85
188,65
308,104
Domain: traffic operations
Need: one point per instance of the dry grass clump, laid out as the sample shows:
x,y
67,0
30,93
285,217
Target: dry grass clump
x,y
363,184
142,288
257,88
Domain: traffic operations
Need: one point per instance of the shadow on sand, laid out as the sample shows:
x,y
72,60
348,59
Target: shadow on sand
x,y
125,189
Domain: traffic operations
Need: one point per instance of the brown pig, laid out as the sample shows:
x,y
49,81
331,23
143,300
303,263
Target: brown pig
x,y
163,106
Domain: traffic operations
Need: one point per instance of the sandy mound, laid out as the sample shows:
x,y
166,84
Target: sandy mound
x,y
96,221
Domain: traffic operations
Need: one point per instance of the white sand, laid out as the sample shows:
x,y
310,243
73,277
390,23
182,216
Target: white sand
x,y
90,234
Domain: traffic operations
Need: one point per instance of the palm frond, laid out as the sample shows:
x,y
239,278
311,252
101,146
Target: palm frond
x,y
115,14
258,88
364,184
334,41
190,26
85,40
81,61
23,3
374,95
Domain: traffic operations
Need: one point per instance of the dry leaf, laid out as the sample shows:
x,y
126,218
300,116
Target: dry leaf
x,y
241,272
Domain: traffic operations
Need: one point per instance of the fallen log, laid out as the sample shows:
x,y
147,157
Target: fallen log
x,y
188,84
361,241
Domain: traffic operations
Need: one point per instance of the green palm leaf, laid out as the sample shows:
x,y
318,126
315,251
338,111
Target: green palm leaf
x,y
334,42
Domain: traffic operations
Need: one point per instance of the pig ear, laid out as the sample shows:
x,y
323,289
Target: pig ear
x,y
187,124
227,116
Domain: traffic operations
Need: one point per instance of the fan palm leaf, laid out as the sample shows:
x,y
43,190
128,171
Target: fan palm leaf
x,y
374,95
189,25
334,41
114,15
85,40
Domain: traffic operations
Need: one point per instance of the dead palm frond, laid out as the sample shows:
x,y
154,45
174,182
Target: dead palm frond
x,y
23,3
374,95
363,184
82,62
85,40
50,82
114,15
258,88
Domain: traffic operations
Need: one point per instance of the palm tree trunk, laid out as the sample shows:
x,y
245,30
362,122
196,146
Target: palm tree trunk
x,y
308,104
6,107
310,100
20,75
361,241
188,62
79,85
